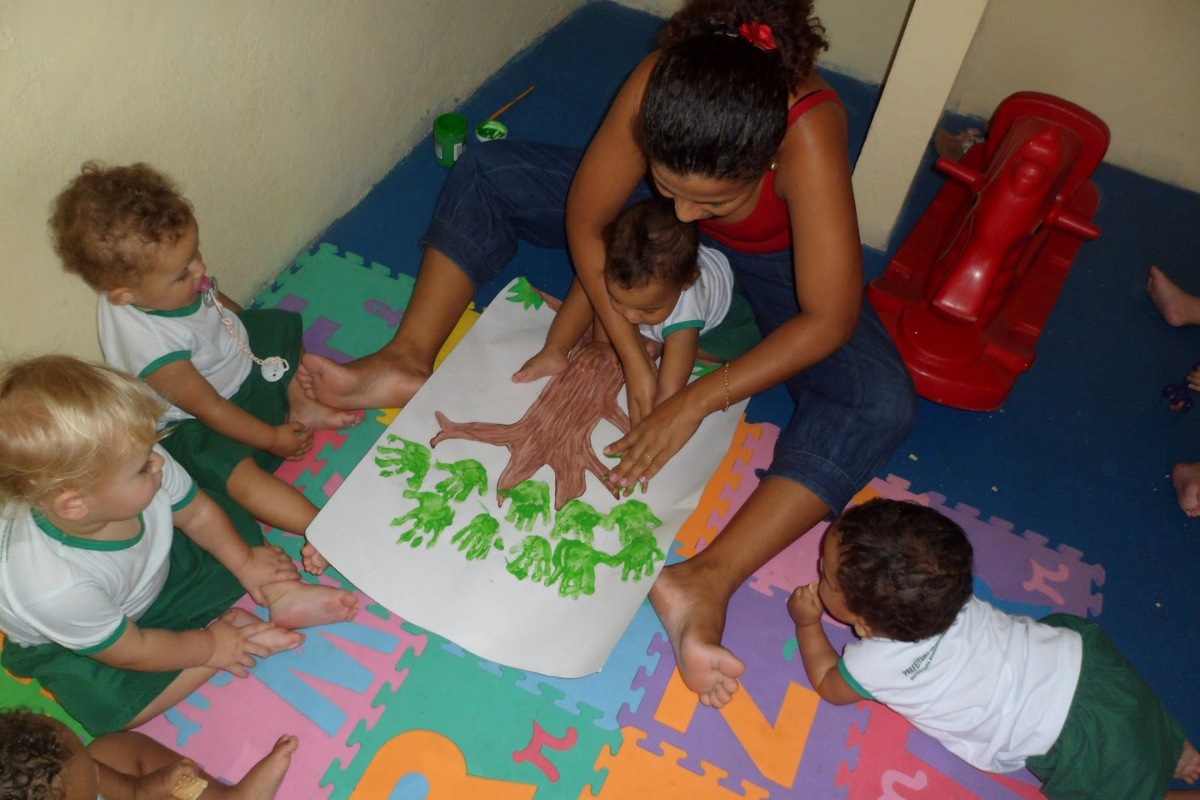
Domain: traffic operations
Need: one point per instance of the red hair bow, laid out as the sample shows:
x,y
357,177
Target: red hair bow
x,y
758,35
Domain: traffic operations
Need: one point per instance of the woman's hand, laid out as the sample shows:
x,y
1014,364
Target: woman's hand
x,y
652,443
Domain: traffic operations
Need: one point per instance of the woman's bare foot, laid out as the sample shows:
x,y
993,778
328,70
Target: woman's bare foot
x,y
315,415
1188,769
380,380
264,778
1176,306
296,604
314,562
547,361
1186,478
695,621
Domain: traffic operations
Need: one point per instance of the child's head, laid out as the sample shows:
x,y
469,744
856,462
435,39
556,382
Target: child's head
x,y
651,258
65,425
896,570
128,232
41,759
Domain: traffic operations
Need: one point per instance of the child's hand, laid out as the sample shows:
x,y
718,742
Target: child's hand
x,y
805,605
157,785
266,565
292,441
233,650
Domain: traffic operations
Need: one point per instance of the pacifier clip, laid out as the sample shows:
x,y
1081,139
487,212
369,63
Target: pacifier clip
x,y
273,368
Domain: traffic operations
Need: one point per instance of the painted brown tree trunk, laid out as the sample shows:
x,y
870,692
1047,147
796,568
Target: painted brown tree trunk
x,y
555,431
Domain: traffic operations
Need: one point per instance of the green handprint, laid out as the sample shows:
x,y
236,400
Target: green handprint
x,y
638,556
479,537
633,518
432,515
465,476
580,519
530,500
411,458
575,568
534,560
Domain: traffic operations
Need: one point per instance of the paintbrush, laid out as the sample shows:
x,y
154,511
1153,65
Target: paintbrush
x,y
511,103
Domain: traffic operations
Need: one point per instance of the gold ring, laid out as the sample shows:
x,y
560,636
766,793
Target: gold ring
x,y
648,457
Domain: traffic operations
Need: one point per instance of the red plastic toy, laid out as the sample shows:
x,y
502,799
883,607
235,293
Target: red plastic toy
x,y
967,294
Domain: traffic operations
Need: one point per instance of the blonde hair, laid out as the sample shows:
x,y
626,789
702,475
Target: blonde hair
x,y
64,422
107,217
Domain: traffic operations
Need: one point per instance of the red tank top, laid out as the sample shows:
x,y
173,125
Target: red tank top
x,y
767,229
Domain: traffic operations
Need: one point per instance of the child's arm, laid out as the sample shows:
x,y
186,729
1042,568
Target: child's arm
x,y
206,524
221,645
181,384
157,769
678,360
820,659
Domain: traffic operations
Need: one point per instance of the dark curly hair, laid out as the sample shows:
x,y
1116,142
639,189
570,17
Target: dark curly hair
x,y
716,105
106,216
32,754
647,243
905,569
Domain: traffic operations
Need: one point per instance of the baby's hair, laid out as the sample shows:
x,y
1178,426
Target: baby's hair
x,y
716,105
647,243
64,422
104,219
32,754
905,569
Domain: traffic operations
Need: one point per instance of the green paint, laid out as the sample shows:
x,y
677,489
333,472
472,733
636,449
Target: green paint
x,y
638,557
432,515
530,500
633,519
410,458
533,561
579,519
479,537
523,292
465,476
575,565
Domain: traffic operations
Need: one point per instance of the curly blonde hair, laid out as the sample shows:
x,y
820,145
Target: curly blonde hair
x,y
64,422
105,218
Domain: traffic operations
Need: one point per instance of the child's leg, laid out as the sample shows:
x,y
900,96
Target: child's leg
x,y
277,503
569,323
313,413
136,755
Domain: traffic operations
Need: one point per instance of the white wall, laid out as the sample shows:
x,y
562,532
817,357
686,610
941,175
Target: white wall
x,y
276,117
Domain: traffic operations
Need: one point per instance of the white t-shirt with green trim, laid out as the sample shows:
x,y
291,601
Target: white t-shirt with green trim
x,y
702,305
140,342
78,592
994,689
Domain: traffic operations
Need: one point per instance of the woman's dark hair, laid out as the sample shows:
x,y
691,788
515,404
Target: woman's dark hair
x,y
905,569
32,754
716,104
648,243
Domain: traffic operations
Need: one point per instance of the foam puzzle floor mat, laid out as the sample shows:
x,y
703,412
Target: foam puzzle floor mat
x,y
386,710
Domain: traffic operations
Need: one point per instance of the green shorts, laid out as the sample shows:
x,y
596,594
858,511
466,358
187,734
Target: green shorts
x,y
210,457
1119,740
103,698
736,334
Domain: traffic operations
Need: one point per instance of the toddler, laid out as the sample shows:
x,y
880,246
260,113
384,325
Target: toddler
x,y
112,562
678,293
234,406
999,691
40,758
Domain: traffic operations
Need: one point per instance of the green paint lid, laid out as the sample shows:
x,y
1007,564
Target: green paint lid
x,y
490,130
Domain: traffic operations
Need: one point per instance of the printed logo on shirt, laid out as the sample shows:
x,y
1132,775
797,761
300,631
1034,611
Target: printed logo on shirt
x,y
922,662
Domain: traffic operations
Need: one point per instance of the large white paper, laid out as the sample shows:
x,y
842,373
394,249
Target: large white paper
x,y
565,629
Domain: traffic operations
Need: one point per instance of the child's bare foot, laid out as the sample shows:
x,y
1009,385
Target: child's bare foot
x,y
1188,769
264,778
1186,478
314,562
276,639
315,415
547,361
295,604
1177,306
380,380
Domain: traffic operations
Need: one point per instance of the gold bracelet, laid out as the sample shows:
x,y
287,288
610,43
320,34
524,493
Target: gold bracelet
x,y
726,408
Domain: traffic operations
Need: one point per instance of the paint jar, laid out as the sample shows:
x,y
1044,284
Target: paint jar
x,y
449,138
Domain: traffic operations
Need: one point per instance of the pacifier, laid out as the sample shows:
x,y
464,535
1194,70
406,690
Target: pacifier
x,y
207,287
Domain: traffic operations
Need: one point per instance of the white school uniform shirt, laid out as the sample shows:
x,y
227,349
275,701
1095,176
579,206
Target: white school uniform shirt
x,y
140,342
994,689
78,592
702,305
